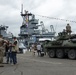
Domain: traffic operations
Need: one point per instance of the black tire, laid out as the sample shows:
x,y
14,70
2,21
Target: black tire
x,y
51,53
72,54
59,53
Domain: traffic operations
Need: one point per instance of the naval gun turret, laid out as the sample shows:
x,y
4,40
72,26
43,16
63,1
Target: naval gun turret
x,y
63,45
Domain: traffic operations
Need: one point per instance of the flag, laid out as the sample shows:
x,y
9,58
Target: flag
x,y
26,20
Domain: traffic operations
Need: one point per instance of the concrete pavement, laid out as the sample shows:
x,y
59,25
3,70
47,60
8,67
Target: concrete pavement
x,y
34,65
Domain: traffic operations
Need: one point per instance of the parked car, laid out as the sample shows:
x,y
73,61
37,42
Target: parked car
x,y
22,48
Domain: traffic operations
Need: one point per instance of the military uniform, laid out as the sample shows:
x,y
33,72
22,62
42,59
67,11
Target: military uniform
x,y
34,49
1,51
68,29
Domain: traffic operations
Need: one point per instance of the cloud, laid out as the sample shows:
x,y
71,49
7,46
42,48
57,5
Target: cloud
x,y
10,15
64,9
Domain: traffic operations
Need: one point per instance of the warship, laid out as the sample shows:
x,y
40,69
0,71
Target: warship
x,y
29,30
3,32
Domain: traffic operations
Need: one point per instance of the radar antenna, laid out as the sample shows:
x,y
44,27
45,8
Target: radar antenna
x,y
21,8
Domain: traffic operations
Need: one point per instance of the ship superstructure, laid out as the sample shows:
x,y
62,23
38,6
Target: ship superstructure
x,y
3,32
30,32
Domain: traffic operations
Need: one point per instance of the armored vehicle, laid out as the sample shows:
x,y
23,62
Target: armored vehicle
x,y
63,45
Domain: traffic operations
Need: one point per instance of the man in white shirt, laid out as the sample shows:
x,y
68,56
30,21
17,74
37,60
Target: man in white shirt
x,y
39,49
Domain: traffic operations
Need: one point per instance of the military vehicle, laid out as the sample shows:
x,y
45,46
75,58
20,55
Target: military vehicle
x,y
63,45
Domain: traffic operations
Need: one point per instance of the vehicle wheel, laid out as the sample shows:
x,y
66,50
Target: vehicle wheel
x,y
72,54
51,53
59,53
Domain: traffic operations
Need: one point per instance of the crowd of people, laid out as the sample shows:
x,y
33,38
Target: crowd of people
x,y
40,49
37,48
9,49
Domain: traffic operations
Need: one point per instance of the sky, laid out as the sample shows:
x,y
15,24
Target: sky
x,y
62,9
